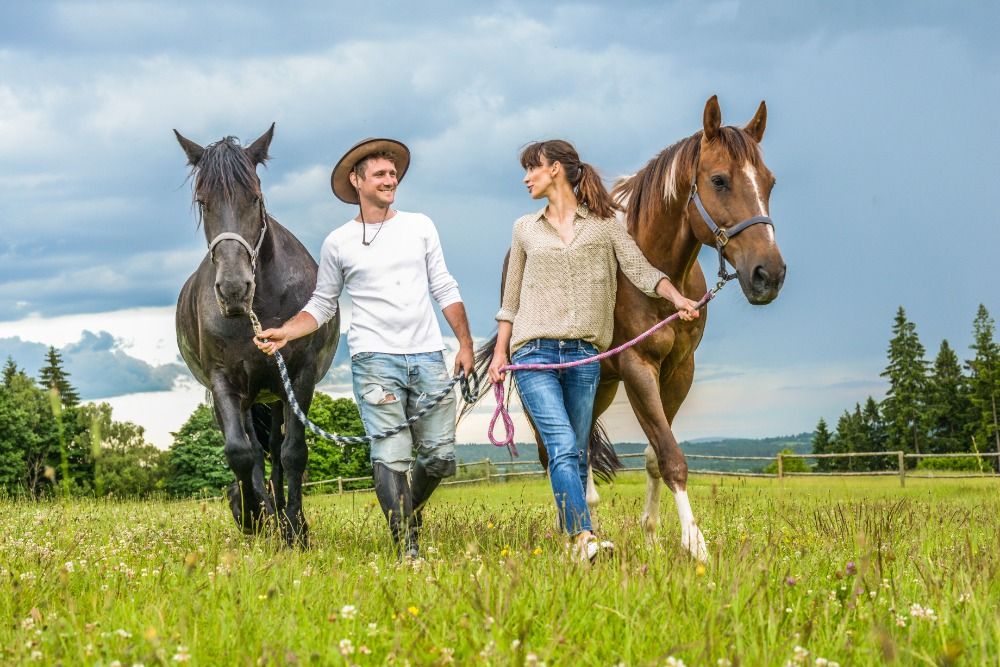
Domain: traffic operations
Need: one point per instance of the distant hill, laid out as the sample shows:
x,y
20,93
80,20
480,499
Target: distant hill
x,y
800,443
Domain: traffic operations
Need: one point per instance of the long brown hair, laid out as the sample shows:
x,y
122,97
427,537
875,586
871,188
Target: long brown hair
x,y
582,177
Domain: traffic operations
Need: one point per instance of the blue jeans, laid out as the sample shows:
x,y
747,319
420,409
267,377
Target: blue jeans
x,y
388,389
561,406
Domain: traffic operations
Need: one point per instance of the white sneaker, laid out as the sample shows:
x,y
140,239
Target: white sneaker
x,y
593,548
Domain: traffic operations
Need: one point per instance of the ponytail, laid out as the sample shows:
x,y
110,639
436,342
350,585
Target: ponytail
x,y
590,190
583,178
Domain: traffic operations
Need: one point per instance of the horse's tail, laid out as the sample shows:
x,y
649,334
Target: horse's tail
x,y
484,355
604,459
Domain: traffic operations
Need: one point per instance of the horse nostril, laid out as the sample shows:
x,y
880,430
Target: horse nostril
x,y
761,276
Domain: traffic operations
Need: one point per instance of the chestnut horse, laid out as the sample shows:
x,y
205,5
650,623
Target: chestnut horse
x,y
725,166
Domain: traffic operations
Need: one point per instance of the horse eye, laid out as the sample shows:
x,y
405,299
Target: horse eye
x,y
719,182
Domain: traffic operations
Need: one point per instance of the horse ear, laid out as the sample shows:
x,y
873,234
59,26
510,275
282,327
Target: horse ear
x,y
257,151
712,119
191,149
755,128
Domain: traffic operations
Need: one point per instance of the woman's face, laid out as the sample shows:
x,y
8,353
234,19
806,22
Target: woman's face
x,y
539,179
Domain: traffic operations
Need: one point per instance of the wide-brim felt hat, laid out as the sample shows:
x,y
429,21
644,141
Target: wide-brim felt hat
x,y
340,178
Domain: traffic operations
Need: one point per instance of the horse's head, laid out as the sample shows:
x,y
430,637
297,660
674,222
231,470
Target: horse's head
x,y
734,187
231,207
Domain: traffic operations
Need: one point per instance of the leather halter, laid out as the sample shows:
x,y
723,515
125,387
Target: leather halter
x,y
233,236
723,234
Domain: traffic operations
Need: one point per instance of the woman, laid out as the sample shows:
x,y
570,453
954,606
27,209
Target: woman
x,y
558,306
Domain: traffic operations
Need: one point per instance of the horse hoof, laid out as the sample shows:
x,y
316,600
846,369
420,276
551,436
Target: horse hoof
x,y
694,542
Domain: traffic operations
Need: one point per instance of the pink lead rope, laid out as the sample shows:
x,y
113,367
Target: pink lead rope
x,y
498,393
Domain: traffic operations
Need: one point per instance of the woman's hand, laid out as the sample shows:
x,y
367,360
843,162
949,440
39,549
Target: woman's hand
x,y
270,340
498,362
686,308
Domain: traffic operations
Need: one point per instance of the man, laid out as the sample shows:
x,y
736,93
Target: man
x,y
391,263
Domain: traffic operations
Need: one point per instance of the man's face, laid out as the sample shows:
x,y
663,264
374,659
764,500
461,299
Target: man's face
x,y
378,187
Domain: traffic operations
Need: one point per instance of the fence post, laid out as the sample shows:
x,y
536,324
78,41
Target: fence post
x,y
340,486
781,466
902,468
489,470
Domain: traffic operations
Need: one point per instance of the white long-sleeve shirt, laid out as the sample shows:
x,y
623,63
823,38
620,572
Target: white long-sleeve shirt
x,y
390,283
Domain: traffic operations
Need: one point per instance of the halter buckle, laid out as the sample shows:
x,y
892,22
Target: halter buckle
x,y
721,237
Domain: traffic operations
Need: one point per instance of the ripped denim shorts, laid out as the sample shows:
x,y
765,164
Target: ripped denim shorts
x,y
388,389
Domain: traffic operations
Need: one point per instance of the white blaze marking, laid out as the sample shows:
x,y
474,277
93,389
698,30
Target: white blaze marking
x,y
751,174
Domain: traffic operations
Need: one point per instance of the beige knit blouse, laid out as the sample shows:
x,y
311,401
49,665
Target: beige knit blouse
x,y
554,290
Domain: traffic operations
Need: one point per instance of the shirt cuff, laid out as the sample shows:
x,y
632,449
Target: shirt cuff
x,y
655,279
504,315
320,314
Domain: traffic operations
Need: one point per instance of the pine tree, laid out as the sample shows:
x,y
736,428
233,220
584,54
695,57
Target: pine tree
x,y
821,444
907,374
873,436
948,405
54,376
10,370
848,438
984,377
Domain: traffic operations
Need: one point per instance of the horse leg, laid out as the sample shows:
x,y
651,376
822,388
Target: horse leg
x,y
642,386
674,389
651,510
247,493
274,447
294,456
258,460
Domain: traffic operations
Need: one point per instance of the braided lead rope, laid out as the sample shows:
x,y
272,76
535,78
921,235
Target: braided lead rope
x,y
343,440
501,409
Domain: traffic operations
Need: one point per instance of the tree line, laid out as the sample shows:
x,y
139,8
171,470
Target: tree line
x,y
931,407
52,443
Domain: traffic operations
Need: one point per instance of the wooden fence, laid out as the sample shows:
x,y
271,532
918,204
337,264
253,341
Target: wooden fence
x,y
501,471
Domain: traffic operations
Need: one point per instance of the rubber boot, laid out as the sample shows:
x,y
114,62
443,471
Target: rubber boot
x,y
393,492
423,486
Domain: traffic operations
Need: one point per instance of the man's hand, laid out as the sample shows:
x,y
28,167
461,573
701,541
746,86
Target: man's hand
x,y
270,340
465,360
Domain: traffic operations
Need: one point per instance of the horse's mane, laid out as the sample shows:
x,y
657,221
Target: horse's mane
x,y
654,187
225,169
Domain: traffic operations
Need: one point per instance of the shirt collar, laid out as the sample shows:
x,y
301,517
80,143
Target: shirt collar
x,y
582,211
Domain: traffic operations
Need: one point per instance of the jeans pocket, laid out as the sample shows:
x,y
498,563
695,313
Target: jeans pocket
x,y
525,350
362,356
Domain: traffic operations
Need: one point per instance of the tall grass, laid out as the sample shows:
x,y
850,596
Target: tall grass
x,y
855,572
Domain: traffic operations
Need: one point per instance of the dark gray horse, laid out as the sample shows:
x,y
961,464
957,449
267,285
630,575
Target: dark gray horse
x,y
252,261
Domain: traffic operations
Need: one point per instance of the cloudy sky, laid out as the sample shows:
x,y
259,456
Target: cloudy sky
x,y
881,132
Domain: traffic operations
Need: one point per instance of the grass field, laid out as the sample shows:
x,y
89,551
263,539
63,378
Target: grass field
x,y
812,572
